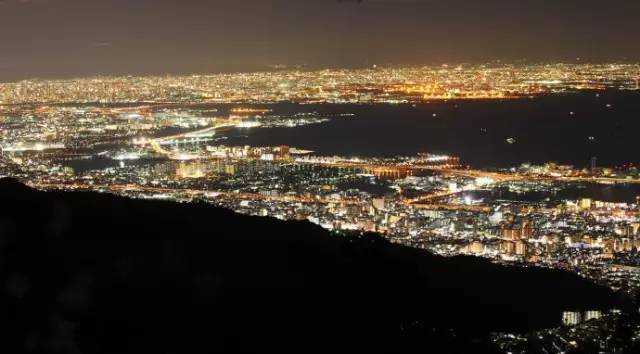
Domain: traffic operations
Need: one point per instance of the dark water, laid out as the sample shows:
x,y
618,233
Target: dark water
x,y
377,189
476,131
602,192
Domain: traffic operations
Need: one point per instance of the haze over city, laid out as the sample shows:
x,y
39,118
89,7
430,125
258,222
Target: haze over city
x,y
73,38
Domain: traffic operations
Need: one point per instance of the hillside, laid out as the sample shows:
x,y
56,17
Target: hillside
x,y
97,273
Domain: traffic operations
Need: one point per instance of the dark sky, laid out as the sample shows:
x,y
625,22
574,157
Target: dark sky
x,y
59,38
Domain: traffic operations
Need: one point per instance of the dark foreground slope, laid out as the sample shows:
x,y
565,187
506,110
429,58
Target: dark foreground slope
x,y
93,273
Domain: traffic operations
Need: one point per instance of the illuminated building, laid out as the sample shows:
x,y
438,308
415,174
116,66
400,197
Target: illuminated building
x,y
508,247
378,203
585,204
592,315
476,248
230,169
521,248
190,170
571,318
528,230
284,151
512,233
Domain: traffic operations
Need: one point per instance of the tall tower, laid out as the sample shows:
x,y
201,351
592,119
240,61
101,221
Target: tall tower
x,y
594,165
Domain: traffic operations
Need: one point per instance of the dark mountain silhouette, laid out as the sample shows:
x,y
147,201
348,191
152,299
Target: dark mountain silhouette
x,y
97,273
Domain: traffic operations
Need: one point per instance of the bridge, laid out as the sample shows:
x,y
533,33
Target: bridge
x,y
381,169
454,207
189,137
430,197
409,169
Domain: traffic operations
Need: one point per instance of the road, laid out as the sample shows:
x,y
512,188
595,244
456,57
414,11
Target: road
x,y
452,170
129,188
193,193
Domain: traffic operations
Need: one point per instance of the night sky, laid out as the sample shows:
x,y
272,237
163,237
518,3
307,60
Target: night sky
x,y
62,38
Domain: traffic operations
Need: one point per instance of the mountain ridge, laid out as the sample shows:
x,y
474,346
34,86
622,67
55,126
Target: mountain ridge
x,y
97,273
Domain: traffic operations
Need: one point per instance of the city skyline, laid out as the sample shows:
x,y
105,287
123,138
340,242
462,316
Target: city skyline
x,y
376,84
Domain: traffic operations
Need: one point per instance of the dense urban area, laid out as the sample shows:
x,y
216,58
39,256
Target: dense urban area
x,y
376,84
163,138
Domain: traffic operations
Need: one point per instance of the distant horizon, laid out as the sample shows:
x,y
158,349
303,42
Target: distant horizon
x,y
77,38
276,68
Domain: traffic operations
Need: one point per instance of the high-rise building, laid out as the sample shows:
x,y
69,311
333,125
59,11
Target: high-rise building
x,y
512,233
508,247
592,315
476,247
284,152
571,318
190,170
585,204
521,248
378,203
528,229
230,169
